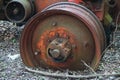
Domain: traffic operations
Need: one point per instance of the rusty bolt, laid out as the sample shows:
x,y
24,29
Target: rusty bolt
x,y
55,53
37,52
54,24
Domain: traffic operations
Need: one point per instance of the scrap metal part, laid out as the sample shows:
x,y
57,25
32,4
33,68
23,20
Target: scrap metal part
x,y
61,37
18,11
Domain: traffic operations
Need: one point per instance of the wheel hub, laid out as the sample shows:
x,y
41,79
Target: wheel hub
x,y
59,49
56,46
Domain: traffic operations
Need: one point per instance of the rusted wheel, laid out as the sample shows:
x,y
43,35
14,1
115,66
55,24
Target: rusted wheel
x,y
18,11
62,36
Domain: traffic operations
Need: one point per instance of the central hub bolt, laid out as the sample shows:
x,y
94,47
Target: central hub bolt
x,y
59,49
15,11
55,53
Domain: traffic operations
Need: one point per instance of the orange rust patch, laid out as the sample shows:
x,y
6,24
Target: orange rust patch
x,y
44,42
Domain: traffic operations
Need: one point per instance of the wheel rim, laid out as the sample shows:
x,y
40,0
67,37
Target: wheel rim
x,y
85,39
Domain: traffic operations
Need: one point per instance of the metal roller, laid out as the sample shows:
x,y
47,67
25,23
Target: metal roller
x,y
41,4
18,11
63,36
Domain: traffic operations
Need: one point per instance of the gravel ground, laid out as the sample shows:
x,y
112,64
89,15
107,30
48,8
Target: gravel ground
x,y
12,68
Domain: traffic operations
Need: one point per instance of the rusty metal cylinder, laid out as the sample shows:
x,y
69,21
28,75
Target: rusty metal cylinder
x,y
41,4
65,35
18,11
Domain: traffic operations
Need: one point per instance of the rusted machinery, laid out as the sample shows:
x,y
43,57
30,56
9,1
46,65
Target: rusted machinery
x,y
65,34
18,11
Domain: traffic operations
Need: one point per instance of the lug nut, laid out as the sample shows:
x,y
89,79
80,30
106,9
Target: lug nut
x,y
37,52
54,23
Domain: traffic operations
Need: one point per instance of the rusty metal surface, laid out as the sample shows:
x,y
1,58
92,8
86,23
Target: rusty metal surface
x,y
18,10
85,14
99,8
41,4
81,32
76,1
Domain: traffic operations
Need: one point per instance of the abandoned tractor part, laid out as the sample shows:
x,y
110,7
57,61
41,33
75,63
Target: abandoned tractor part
x,y
18,11
62,36
41,4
